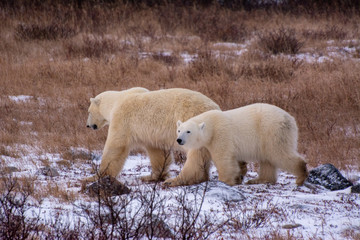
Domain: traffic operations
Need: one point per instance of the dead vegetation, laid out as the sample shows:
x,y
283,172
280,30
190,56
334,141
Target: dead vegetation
x,y
135,216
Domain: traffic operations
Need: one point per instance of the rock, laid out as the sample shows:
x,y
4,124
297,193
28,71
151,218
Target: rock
x,y
74,154
329,177
300,206
10,169
291,226
218,190
355,189
48,171
107,186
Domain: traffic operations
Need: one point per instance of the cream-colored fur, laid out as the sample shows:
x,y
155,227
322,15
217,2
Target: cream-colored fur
x,y
141,118
102,105
259,132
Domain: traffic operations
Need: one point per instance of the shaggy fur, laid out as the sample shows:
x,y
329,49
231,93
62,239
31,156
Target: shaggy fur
x,y
259,132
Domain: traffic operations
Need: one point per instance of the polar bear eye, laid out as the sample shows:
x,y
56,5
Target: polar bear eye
x,y
188,132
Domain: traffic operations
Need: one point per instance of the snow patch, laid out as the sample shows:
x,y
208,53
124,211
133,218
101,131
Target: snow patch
x,y
20,98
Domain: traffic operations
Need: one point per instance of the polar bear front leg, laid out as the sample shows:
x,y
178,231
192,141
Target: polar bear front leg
x,y
112,161
228,168
160,161
195,170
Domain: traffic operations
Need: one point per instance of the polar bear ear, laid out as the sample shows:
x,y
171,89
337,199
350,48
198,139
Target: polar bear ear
x,y
202,126
178,123
95,101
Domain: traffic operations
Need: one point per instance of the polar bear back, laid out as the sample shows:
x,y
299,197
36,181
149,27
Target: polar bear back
x,y
150,117
254,131
263,129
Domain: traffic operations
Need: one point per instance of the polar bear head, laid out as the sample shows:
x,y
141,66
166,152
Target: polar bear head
x,y
190,134
95,120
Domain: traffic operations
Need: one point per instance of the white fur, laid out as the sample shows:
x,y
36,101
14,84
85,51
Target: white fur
x,y
259,132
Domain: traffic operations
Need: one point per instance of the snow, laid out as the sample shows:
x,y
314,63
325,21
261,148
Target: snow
x,y
188,57
20,98
331,52
315,210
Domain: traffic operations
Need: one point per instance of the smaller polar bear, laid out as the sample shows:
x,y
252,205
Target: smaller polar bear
x,y
259,132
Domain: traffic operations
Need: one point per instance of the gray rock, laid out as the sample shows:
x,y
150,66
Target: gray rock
x,y
218,190
83,154
329,177
107,186
355,189
291,226
48,171
11,169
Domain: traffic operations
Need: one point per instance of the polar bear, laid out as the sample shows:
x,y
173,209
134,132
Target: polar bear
x,y
147,119
259,132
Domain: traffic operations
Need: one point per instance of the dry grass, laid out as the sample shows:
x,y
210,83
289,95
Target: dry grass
x,y
279,41
100,48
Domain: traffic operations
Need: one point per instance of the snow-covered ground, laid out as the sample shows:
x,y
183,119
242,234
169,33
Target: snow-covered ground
x,y
348,49
301,212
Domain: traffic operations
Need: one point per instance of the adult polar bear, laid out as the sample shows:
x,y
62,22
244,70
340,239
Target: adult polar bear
x,y
258,132
138,117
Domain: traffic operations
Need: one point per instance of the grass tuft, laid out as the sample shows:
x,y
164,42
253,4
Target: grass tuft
x,y
280,41
50,31
92,46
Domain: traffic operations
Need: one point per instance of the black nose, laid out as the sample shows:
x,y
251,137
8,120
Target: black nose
x,y
179,141
94,126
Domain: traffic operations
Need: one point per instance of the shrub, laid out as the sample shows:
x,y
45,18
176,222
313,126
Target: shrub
x,y
280,41
14,224
208,64
168,59
275,70
51,31
92,46
330,32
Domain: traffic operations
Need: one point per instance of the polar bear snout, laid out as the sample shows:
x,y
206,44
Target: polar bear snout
x,y
93,126
180,141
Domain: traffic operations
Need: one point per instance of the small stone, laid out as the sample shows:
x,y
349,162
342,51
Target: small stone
x,y
11,169
48,171
329,177
291,226
355,189
107,186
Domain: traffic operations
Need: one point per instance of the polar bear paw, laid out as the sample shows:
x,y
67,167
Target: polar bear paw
x,y
173,182
153,178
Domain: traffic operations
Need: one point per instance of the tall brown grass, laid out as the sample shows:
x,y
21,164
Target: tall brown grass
x,y
63,55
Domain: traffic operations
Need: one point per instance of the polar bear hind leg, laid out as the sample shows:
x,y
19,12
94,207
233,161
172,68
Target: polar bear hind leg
x,y
160,161
267,174
243,171
295,165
